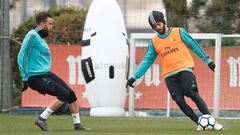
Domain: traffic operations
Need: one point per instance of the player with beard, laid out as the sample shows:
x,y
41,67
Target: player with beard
x,y
171,45
34,62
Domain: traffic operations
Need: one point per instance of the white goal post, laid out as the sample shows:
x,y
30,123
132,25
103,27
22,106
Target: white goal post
x,y
147,36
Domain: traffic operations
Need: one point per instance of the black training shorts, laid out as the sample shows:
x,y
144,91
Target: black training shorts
x,y
181,84
50,84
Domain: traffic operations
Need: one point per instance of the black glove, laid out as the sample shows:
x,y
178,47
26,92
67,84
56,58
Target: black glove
x,y
211,65
130,82
25,86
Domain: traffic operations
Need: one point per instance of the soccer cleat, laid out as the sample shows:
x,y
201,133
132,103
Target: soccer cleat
x,y
217,126
199,128
41,124
81,127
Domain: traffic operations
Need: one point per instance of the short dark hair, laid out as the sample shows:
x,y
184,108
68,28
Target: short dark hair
x,y
42,16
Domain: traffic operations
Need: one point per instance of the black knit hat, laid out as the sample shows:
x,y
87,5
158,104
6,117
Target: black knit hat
x,y
156,16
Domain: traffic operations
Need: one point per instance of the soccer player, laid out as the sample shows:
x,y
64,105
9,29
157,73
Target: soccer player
x,y
171,45
34,62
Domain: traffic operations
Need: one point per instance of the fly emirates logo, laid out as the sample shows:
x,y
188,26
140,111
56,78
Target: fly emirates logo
x,y
168,50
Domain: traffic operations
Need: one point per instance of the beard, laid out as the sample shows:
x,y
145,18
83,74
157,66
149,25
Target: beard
x,y
162,31
43,33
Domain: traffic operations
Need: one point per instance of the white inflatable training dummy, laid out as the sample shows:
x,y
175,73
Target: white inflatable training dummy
x,y
105,58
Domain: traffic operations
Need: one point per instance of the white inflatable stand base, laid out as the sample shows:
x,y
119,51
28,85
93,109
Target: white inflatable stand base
x,y
107,111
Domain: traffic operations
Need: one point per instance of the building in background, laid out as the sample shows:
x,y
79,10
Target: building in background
x,y
135,12
21,10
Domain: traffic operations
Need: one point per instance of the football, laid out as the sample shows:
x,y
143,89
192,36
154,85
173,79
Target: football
x,y
207,122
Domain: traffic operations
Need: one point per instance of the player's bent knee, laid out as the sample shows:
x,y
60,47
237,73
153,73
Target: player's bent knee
x,y
179,100
64,97
192,94
72,97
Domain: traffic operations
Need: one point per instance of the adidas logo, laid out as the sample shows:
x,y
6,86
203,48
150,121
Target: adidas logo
x,y
193,84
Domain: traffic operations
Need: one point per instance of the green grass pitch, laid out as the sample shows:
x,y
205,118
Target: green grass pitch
x,y
62,125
